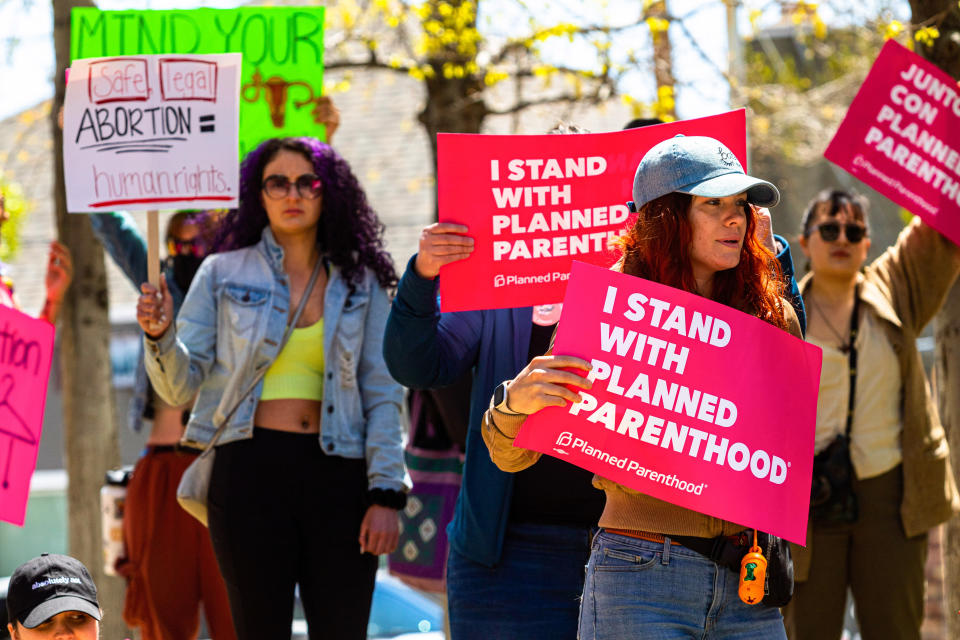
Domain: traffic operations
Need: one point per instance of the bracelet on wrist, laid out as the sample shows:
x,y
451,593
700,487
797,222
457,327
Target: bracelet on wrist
x,y
389,498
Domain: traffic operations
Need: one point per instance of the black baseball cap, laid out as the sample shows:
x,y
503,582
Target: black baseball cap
x,y
46,586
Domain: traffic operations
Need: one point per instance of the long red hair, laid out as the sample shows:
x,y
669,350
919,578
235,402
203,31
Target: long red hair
x,y
657,247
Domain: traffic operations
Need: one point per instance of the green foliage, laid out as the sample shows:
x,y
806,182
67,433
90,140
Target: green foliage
x,y
17,207
801,76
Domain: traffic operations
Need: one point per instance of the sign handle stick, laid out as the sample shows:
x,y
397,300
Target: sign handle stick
x,y
153,247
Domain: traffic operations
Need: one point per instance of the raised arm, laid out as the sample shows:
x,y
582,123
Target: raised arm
x,y
792,292
119,235
779,246
918,271
423,348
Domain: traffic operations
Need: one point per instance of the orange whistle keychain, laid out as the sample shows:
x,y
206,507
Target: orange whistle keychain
x,y
753,573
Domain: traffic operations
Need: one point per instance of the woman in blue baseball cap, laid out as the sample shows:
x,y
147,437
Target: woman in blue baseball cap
x,y
654,571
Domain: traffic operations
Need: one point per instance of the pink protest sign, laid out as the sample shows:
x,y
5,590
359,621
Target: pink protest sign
x,y
26,351
901,136
533,204
693,402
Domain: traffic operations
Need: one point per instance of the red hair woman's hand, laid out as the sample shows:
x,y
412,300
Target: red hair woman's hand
x,y
544,383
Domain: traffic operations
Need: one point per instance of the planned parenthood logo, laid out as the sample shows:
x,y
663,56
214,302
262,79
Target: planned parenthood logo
x,y
565,439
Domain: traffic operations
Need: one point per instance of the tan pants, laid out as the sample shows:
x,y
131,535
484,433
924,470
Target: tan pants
x,y
882,567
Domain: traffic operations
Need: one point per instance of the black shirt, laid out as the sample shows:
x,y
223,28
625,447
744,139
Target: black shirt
x,y
553,491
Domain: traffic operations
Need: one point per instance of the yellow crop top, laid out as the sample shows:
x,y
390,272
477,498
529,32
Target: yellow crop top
x,y
298,370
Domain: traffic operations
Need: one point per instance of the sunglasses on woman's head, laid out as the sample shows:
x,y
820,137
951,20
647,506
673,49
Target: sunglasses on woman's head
x,y
830,231
308,186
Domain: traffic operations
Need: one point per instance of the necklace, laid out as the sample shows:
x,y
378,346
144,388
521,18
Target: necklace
x,y
843,339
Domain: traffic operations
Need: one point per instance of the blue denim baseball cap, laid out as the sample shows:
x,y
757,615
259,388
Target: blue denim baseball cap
x,y
700,166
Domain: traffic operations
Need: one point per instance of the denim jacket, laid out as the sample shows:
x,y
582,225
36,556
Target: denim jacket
x,y
229,329
120,238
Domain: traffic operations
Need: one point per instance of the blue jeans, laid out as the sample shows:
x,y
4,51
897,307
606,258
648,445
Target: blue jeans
x,y
534,592
640,589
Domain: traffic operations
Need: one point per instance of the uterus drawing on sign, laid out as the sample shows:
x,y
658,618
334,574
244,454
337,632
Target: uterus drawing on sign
x,y
12,425
275,91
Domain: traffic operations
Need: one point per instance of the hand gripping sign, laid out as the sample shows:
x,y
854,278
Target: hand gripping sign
x,y
533,204
26,351
149,132
901,136
693,402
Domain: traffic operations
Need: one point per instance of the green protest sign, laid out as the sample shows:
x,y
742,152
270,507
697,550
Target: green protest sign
x,y
281,79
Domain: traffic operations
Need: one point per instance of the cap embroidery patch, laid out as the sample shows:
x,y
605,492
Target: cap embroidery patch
x,y
727,157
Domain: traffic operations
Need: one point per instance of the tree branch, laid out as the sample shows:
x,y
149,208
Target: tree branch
x,y
517,45
526,104
371,63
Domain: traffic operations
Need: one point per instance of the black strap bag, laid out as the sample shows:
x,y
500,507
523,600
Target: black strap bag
x,y
832,498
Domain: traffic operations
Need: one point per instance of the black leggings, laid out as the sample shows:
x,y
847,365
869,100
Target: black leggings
x,y
283,513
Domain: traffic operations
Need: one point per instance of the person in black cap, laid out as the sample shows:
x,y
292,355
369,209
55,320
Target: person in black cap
x,y
53,596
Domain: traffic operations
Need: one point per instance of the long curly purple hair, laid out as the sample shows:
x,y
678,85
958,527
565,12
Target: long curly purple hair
x,y
349,233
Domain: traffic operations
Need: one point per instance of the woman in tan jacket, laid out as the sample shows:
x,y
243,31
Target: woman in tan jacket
x,y
696,231
875,543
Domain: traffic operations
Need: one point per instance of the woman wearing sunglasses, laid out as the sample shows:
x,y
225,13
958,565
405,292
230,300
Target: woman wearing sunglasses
x,y
308,473
874,396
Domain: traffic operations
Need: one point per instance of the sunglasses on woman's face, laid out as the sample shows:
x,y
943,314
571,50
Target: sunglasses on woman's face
x,y
177,247
830,231
308,186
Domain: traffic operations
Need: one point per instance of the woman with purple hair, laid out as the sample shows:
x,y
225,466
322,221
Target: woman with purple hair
x,y
308,474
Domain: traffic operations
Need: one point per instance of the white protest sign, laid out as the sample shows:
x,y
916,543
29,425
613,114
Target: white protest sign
x,y
151,132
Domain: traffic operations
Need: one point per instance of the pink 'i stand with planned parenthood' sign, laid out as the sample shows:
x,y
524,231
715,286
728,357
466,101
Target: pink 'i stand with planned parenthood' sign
x,y
533,204
693,402
26,353
901,136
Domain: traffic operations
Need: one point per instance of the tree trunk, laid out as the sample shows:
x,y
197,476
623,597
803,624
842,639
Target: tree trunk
x,y
663,64
945,53
90,432
455,102
453,106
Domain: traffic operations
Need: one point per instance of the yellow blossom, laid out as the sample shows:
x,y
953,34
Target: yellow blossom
x,y
893,30
493,77
543,70
819,28
926,35
657,25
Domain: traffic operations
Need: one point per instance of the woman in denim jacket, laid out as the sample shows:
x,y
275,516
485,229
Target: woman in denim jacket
x,y
309,472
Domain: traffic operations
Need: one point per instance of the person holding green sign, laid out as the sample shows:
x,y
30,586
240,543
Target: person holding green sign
x,y
308,475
